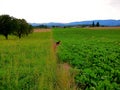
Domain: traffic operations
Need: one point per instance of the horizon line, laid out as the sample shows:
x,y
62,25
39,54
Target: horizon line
x,y
73,21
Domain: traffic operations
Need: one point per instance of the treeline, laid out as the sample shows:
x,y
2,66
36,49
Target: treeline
x,y
41,26
12,26
93,24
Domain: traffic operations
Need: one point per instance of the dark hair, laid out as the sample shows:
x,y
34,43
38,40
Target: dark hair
x,y
58,42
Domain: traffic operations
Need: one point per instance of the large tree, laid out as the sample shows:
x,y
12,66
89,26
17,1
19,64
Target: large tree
x,y
23,28
10,25
6,25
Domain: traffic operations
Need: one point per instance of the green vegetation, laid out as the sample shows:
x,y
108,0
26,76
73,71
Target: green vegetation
x,y
97,24
10,25
30,64
26,64
96,53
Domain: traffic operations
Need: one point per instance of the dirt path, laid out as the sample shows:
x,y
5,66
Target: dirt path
x,y
65,73
64,79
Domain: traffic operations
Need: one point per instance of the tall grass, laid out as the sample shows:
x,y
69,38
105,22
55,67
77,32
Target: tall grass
x,y
23,62
30,64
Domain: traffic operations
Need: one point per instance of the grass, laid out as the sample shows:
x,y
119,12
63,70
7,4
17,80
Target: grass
x,y
30,63
23,62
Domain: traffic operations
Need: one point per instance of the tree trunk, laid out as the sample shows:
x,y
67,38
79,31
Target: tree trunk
x,y
6,36
19,36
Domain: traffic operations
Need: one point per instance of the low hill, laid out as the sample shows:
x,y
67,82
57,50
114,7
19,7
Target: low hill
x,y
109,22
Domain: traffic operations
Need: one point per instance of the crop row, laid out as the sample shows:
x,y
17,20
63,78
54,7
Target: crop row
x,y
98,59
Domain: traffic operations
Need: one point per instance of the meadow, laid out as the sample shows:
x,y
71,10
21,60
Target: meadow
x,y
30,63
94,52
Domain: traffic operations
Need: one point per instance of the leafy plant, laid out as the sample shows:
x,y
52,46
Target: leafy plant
x,y
96,53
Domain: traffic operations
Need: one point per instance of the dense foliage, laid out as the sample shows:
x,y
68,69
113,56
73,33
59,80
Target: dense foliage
x,y
96,53
10,25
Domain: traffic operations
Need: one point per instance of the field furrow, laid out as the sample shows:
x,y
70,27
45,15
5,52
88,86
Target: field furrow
x,y
94,53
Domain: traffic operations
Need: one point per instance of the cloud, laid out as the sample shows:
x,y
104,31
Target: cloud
x,y
115,3
61,10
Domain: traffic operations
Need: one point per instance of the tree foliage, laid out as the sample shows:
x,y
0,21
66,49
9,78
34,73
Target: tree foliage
x,y
97,24
23,28
93,24
41,26
10,25
6,26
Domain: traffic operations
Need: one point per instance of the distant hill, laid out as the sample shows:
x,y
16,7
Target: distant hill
x,y
109,22
48,24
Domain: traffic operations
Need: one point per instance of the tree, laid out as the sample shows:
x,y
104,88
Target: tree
x,y
42,26
23,28
6,26
10,25
93,24
97,24
29,30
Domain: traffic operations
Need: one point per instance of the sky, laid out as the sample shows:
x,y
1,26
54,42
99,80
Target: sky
x,y
43,11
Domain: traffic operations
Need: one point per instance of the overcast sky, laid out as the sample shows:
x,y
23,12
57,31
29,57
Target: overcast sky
x,y
41,11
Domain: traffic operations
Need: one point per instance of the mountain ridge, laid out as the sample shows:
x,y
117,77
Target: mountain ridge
x,y
108,22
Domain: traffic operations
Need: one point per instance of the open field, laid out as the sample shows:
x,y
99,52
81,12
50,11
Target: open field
x,y
95,52
30,63
104,28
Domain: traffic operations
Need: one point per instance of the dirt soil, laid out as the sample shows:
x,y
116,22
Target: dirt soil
x,y
42,30
66,66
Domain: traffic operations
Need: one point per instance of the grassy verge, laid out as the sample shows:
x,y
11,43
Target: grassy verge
x,y
30,64
25,63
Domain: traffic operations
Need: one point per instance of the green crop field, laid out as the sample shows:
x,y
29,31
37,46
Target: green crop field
x,y
95,53
30,64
